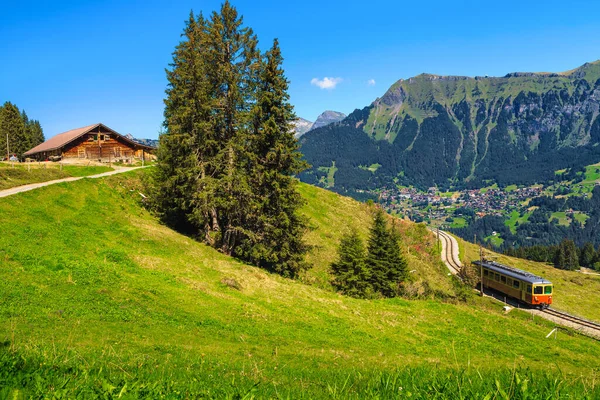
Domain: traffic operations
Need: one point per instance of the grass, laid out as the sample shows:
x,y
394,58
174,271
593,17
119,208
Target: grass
x,y
330,179
561,218
100,300
581,217
19,174
574,292
458,222
516,218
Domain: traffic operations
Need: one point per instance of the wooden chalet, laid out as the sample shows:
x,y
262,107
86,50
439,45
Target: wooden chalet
x,y
94,142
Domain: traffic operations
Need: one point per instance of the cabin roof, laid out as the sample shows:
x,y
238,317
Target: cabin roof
x,y
62,139
513,272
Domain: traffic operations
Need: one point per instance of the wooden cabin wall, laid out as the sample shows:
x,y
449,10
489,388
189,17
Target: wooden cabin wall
x,y
112,149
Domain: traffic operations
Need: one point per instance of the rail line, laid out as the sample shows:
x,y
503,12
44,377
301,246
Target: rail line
x,y
594,326
448,249
585,326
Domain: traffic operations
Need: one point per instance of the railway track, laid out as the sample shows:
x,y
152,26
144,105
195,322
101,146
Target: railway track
x,y
450,258
581,322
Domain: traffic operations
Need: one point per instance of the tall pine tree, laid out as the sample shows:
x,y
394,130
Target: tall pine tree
x,y
275,241
227,154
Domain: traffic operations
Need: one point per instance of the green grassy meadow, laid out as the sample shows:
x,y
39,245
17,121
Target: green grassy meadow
x,y
101,300
19,174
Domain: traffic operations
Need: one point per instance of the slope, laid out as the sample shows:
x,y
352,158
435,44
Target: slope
x,y
575,292
101,300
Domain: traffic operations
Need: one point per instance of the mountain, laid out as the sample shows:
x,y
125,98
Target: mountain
x,y
147,142
463,132
328,117
302,126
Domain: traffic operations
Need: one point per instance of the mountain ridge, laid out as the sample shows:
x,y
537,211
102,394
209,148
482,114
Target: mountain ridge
x,y
303,126
470,129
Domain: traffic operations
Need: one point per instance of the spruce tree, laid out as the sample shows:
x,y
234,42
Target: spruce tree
x,y
588,254
11,124
560,259
350,272
398,265
227,156
378,261
277,228
571,255
174,179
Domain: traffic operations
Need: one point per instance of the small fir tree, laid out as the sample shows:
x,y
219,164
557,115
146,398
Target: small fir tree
x,y
351,276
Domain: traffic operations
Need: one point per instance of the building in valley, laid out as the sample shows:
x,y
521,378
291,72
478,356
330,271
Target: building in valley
x,y
94,142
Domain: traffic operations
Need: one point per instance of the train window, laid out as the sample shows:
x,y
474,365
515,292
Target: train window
x,y
547,289
528,288
503,279
485,272
538,290
497,277
516,284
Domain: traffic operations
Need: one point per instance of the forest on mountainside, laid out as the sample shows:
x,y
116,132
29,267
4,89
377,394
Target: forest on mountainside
x,y
461,132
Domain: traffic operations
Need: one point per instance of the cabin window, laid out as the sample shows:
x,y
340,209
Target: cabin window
x,y
503,279
528,288
547,289
95,137
497,277
516,284
538,290
91,138
106,137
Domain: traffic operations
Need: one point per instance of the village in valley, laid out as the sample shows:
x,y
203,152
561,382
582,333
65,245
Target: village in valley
x,y
447,209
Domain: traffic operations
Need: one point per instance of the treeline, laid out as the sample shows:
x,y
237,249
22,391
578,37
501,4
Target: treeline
x,y
377,271
566,255
228,155
23,134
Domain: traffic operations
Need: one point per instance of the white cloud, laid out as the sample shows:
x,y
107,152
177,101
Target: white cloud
x,y
326,83
371,82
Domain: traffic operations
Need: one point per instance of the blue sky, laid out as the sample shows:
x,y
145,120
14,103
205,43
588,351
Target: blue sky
x,y
73,63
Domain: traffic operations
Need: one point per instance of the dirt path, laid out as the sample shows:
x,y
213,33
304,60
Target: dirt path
x,y
32,186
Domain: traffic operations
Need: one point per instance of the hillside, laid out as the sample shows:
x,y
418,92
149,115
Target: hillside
x,y
99,299
464,132
572,288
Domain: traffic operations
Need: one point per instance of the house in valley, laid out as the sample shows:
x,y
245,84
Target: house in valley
x,y
94,142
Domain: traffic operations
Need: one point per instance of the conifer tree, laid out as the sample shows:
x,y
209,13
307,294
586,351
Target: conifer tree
x,y
350,272
588,254
13,127
398,265
227,154
175,176
377,258
277,228
387,266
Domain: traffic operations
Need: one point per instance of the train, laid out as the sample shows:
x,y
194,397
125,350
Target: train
x,y
524,286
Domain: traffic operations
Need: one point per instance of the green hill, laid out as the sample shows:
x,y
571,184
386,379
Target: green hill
x,y
100,300
463,131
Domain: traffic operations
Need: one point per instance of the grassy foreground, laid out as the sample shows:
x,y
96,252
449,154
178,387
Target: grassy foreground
x,y
99,300
19,174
